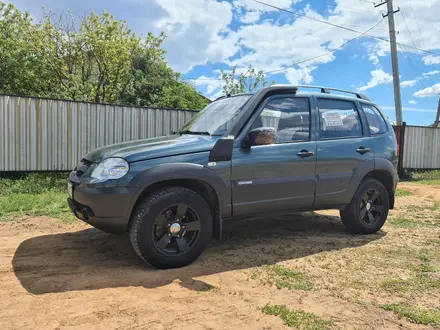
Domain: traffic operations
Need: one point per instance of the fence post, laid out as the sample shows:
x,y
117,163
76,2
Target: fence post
x,y
400,169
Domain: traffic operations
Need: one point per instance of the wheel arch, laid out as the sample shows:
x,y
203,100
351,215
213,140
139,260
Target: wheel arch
x,y
379,169
384,177
197,178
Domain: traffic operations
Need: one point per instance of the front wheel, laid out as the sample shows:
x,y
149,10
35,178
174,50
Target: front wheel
x,y
171,227
368,210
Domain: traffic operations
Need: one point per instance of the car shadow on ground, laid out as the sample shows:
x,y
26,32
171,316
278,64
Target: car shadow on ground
x,y
89,259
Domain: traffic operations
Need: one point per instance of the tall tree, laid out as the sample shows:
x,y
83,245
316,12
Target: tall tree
x,y
23,70
99,60
248,81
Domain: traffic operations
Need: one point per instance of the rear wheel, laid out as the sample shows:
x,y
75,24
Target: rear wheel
x,y
171,227
368,210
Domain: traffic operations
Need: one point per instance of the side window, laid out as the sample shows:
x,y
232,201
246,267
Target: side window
x,y
338,119
375,120
289,116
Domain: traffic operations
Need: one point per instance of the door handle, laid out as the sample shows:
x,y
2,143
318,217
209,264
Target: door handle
x,y
305,153
363,150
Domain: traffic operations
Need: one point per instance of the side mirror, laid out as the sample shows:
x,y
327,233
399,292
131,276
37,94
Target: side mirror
x,y
222,150
260,136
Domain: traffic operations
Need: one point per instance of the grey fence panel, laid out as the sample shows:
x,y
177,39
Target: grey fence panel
x,y
421,148
52,135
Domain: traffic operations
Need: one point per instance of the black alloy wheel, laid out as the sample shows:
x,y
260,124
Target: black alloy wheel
x,y
368,209
171,227
176,230
371,207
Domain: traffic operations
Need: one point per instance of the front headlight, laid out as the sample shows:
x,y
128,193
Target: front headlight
x,y
110,168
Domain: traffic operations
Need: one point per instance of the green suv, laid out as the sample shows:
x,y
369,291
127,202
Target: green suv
x,y
279,150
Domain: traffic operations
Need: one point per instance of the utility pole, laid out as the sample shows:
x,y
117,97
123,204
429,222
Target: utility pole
x,y
394,61
437,118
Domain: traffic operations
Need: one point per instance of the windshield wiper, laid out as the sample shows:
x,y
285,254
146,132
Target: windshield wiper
x,y
193,132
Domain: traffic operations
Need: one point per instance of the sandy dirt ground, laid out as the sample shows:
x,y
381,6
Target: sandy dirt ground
x,y
71,276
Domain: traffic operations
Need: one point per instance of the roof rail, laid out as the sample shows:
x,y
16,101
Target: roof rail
x,y
328,89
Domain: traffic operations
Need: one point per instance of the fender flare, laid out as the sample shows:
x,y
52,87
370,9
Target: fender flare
x,y
367,167
359,174
179,171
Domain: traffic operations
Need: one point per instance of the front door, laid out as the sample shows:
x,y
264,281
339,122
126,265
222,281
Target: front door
x,y
344,147
279,175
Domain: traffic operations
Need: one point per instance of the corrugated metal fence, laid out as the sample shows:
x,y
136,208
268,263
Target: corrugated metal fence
x,y
421,148
52,135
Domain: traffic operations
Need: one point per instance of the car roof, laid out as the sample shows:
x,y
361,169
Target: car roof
x,y
328,94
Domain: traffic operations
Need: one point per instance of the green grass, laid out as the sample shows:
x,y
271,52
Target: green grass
x,y
284,277
32,183
400,192
402,222
415,315
425,177
297,318
433,207
420,281
34,194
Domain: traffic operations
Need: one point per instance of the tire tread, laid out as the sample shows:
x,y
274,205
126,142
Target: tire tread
x,y
140,212
350,215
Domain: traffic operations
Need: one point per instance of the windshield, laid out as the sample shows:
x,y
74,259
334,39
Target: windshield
x,y
217,117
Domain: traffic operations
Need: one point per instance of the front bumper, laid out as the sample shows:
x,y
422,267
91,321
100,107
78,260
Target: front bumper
x,y
106,208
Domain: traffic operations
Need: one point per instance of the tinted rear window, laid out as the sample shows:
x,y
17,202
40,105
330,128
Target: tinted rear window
x,y
376,122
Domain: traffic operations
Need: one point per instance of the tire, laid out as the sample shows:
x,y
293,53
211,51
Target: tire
x,y
368,209
161,212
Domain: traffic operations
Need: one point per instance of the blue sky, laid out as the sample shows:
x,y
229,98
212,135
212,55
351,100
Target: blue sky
x,y
205,36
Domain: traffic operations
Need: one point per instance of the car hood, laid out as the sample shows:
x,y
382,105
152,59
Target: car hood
x,y
171,145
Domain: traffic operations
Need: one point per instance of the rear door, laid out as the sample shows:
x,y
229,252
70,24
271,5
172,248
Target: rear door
x,y
281,175
344,146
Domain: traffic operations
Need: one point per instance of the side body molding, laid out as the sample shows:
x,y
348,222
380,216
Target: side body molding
x,y
179,171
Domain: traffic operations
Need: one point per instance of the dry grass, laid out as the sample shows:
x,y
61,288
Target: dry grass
x,y
297,318
402,265
311,271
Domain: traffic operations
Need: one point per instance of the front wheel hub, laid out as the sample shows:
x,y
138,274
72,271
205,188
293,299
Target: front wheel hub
x,y
175,229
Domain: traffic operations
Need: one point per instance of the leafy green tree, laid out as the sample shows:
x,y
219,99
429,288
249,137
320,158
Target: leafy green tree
x,y
99,60
23,70
249,81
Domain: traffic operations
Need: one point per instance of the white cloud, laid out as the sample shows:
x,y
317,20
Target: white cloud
x,y
193,28
378,77
250,17
431,73
199,30
298,76
374,51
212,85
434,90
431,59
412,102
252,5
408,83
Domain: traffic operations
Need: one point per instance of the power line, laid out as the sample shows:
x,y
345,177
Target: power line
x,y
309,59
349,8
421,36
413,67
419,56
342,27
414,44
329,52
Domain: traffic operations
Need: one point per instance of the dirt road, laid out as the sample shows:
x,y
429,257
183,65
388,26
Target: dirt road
x,y
60,276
